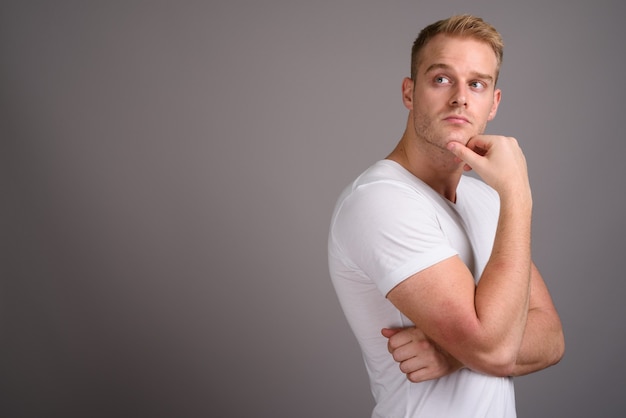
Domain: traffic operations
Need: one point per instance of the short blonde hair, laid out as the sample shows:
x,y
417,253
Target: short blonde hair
x,y
462,26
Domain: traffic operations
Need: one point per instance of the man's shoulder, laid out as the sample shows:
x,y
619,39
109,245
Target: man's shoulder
x,y
383,181
384,197
386,174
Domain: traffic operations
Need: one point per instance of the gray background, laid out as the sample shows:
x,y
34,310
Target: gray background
x,y
169,171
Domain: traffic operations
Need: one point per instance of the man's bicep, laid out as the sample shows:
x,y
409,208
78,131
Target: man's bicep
x,y
440,301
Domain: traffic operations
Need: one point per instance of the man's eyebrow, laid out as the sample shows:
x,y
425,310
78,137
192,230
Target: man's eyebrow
x,y
437,66
441,66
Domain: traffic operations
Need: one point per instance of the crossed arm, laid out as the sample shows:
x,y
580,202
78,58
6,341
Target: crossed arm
x,y
420,358
506,324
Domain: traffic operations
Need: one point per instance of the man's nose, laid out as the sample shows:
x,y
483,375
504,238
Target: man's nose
x,y
459,97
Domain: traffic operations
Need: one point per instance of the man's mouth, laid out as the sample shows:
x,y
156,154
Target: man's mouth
x,y
456,119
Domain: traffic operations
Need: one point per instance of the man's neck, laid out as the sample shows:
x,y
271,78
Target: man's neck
x,y
432,165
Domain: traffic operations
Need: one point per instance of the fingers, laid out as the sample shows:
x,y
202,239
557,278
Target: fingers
x,y
423,349
390,332
463,154
426,373
399,337
471,153
419,358
429,365
477,146
497,159
480,144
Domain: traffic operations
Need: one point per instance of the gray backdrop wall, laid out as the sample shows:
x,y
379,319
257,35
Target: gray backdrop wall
x,y
169,171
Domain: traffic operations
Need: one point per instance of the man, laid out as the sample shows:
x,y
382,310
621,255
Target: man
x,y
441,262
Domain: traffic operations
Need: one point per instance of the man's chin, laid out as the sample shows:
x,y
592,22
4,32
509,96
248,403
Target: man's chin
x,y
463,139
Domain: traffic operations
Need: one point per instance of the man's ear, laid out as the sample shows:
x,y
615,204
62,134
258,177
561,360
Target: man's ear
x,y
497,95
407,93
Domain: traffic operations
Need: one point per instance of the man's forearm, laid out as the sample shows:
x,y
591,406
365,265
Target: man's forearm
x,y
543,344
501,298
503,292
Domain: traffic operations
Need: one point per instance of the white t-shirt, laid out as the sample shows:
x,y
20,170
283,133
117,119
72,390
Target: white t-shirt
x,y
387,226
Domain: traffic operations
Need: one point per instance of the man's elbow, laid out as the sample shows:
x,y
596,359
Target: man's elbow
x,y
505,365
555,351
500,362
559,349
485,354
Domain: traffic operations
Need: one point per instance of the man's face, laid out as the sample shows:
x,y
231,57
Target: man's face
x,y
454,93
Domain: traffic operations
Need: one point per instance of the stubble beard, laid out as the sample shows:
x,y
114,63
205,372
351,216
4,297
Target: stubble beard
x,y
431,137
427,133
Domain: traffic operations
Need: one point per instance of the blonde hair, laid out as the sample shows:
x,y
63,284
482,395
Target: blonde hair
x,y
461,26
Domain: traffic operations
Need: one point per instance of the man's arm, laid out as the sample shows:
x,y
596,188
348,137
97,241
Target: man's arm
x,y
481,325
542,346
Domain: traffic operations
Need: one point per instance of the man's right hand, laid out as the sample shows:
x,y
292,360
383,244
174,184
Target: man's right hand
x,y
498,160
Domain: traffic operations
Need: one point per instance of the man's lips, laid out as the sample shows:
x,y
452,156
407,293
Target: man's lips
x,y
456,119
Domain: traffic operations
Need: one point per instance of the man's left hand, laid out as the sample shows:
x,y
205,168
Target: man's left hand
x,y
419,357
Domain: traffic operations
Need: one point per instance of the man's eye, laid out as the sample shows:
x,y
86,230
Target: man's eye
x,y
477,84
442,80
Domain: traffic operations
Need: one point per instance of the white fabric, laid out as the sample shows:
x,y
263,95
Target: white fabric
x,y
387,226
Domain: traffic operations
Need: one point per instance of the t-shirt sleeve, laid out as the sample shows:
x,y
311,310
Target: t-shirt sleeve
x,y
390,231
